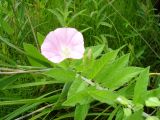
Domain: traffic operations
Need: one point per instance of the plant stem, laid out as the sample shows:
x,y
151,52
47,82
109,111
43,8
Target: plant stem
x,y
9,71
36,111
152,74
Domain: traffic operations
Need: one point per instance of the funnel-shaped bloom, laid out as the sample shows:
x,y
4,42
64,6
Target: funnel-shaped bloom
x,y
63,43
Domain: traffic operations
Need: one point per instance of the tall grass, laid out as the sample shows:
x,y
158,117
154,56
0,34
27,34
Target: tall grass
x,y
111,22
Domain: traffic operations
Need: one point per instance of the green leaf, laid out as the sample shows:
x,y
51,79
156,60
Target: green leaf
x,y
60,74
84,30
27,101
59,16
77,93
76,15
152,102
105,24
35,57
120,78
110,70
91,53
5,81
105,60
77,86
6,27
124,101
88,62
104,96
127,91
154,92
152,118
127,111
140,89
6,41
63,95
31,84
20,110
113,113
40,38
7,59
119,114
81,112
96,50
137,115
27,107
81,97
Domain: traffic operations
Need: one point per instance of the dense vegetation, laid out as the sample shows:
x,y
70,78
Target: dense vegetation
x,y
114,27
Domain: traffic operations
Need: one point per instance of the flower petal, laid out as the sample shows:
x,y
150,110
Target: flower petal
x,y
58,41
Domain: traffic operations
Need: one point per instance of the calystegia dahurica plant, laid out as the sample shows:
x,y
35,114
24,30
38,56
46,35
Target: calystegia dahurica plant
x,y
79,59
90,75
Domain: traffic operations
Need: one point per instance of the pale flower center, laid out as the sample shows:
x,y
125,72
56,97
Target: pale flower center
x,y
65,52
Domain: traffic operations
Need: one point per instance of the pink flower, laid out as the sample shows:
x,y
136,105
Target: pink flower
x,y
63,43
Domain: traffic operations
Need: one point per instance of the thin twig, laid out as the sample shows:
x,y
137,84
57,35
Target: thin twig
x,y
9,71
36,111
88,81
154,74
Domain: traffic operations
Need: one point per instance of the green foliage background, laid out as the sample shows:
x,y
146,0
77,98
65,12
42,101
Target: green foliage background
x,y
105,24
